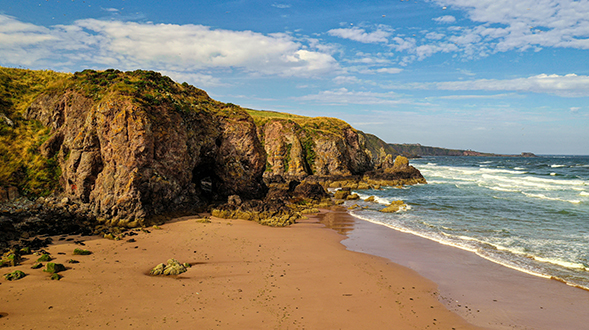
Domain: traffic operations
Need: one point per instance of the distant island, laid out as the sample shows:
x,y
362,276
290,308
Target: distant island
x,y
416,150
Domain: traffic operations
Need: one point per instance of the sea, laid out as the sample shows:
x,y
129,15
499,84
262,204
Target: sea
x,y
528,214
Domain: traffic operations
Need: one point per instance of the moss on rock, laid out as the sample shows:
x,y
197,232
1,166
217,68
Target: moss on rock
x,y
15,275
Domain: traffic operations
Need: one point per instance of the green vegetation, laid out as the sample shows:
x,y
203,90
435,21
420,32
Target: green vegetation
x,y
21,164
287,156
309,152
15,275
310,125
44,257
81,252
54,268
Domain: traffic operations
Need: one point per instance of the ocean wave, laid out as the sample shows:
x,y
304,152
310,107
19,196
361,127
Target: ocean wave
x,y
553,174
584,193
503,189
542,196
455,241
558,165
562,263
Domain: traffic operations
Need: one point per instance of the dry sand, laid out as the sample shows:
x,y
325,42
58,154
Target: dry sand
x,y
244,276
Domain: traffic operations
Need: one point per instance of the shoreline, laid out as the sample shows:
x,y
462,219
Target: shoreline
x,y
243,275
483,292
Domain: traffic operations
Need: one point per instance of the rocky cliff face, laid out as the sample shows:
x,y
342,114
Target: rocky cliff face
x,y
127,160
131,148
299,146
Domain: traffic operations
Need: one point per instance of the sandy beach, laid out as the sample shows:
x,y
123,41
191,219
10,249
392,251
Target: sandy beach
x,y
482,292
243,276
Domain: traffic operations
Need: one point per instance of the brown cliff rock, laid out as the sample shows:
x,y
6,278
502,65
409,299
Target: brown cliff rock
x,y
299,146
132,161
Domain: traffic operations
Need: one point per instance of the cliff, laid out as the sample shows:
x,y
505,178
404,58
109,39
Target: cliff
x,y
378,149
297,146
129,147
134,148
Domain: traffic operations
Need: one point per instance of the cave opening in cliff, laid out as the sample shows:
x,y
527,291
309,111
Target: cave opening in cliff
x,y
205,181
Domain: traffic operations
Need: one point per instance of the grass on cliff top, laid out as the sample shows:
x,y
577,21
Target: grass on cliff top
x,y
21,165
312,125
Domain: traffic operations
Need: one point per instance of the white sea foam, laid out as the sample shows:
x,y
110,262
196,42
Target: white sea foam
x,y
562,263
584,193
553,174
542,196
503,189
558,165
519,168
452,243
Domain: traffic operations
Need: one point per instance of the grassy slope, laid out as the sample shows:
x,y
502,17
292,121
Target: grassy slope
x,y
312,125
20,162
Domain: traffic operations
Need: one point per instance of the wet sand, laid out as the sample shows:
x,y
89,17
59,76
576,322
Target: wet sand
x,y
483,292
243,276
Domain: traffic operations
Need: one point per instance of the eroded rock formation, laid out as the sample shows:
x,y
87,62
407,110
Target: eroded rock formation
x,y
131,161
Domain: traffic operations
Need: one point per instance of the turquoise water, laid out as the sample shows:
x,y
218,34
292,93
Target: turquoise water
x,y
530,214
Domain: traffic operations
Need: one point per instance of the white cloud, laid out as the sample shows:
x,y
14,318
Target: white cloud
x,y
357,34
112,10
570,85
469,97
345,96
497,26
340,80
389,70
575,109
281,5
525,24
445,19
168,47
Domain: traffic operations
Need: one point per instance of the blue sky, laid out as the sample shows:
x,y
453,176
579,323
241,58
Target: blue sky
x,y
488,75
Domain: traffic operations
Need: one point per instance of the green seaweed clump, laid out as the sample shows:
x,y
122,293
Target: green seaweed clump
x,y
54,268
15,275
44,258
81,252
37,265
173,267
56,277
11,258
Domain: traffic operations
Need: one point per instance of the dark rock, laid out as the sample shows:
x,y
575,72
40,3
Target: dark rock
x,y
292,185
234,200
311,191
15,275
